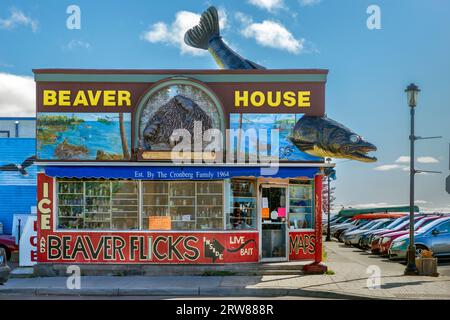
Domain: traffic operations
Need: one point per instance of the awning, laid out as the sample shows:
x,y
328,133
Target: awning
x,y
177,172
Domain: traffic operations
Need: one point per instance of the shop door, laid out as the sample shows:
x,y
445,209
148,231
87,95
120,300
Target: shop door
x,y
273,223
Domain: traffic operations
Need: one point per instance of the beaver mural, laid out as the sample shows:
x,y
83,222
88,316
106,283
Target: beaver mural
x,y
179,112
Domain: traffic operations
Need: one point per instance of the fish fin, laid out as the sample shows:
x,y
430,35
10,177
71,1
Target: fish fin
x,y
199,36
254,65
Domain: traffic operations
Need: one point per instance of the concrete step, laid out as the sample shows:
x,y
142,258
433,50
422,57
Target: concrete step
x,y
280,272
175,269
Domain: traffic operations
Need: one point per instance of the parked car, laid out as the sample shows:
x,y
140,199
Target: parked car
x,y
435,237
386,239
9,244
353,237
396,225
354,224
373,242
4,269
365,226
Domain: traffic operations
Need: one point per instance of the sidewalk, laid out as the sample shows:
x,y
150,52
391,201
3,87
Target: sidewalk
x,y
348,282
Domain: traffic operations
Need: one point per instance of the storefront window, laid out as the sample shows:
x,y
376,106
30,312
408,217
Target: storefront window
x,y
300,205
98,205
241,210
174,205
182,205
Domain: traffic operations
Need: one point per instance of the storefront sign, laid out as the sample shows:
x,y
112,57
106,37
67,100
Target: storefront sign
x,y
85,115
302,245
88,98
192,247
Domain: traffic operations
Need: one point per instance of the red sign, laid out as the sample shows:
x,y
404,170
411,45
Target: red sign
x,y
302,245
126,247
136,247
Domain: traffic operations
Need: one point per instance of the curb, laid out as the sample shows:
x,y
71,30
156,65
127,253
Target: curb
x,y
193,292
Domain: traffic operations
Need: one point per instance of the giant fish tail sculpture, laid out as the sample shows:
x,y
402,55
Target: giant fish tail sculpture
x,y
323,137
318,136
206,36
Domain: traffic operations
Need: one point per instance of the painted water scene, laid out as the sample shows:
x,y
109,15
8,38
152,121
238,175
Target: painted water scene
x,y
285,123
83,136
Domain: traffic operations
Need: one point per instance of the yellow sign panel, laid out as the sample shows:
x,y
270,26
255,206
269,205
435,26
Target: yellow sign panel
x,y
159,223
86,98
300,99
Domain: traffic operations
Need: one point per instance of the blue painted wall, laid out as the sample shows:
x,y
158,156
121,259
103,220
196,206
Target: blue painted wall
x,y
17,191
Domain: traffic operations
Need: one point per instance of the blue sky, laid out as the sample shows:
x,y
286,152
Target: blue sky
x,y
369,69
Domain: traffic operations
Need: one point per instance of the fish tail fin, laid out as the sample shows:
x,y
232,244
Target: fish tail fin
x,y
199,36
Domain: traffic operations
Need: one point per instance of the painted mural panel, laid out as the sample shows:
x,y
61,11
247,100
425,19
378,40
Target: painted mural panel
x,y
17,179
172,107
83,136
17,162
284,123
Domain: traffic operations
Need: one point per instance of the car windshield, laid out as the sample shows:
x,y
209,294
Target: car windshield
x,y
433,224
423,222
378,224
396,222
368,225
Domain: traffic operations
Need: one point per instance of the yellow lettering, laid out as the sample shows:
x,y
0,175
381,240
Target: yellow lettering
x,y
64,98
109,98
124,98
238,98
43,206
303,99
45,222
270,100
49,98
289,99
80,99
257,98
93,99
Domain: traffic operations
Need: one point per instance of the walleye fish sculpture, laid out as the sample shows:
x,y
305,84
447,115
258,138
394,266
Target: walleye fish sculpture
x,y
317,136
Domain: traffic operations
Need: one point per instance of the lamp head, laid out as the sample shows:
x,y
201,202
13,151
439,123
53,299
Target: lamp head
x,y
412,94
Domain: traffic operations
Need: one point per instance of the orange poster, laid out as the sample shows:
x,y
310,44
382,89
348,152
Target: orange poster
x,y
265,213
159,223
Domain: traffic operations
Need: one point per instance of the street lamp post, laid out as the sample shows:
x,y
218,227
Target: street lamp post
x,y
412,92
328,238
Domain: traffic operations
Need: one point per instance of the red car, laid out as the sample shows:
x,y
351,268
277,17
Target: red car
x,y
387,238
9,244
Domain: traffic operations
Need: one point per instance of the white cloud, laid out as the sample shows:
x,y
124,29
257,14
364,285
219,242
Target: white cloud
x,y
305,3
74,44
405,159
269,5
272,34
17,18
173,34
402,159
17,96
387,167
427,160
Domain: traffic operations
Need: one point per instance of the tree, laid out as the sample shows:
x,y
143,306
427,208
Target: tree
x,y
123,137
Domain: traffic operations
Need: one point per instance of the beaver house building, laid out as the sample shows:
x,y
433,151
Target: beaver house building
x,y
129,179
